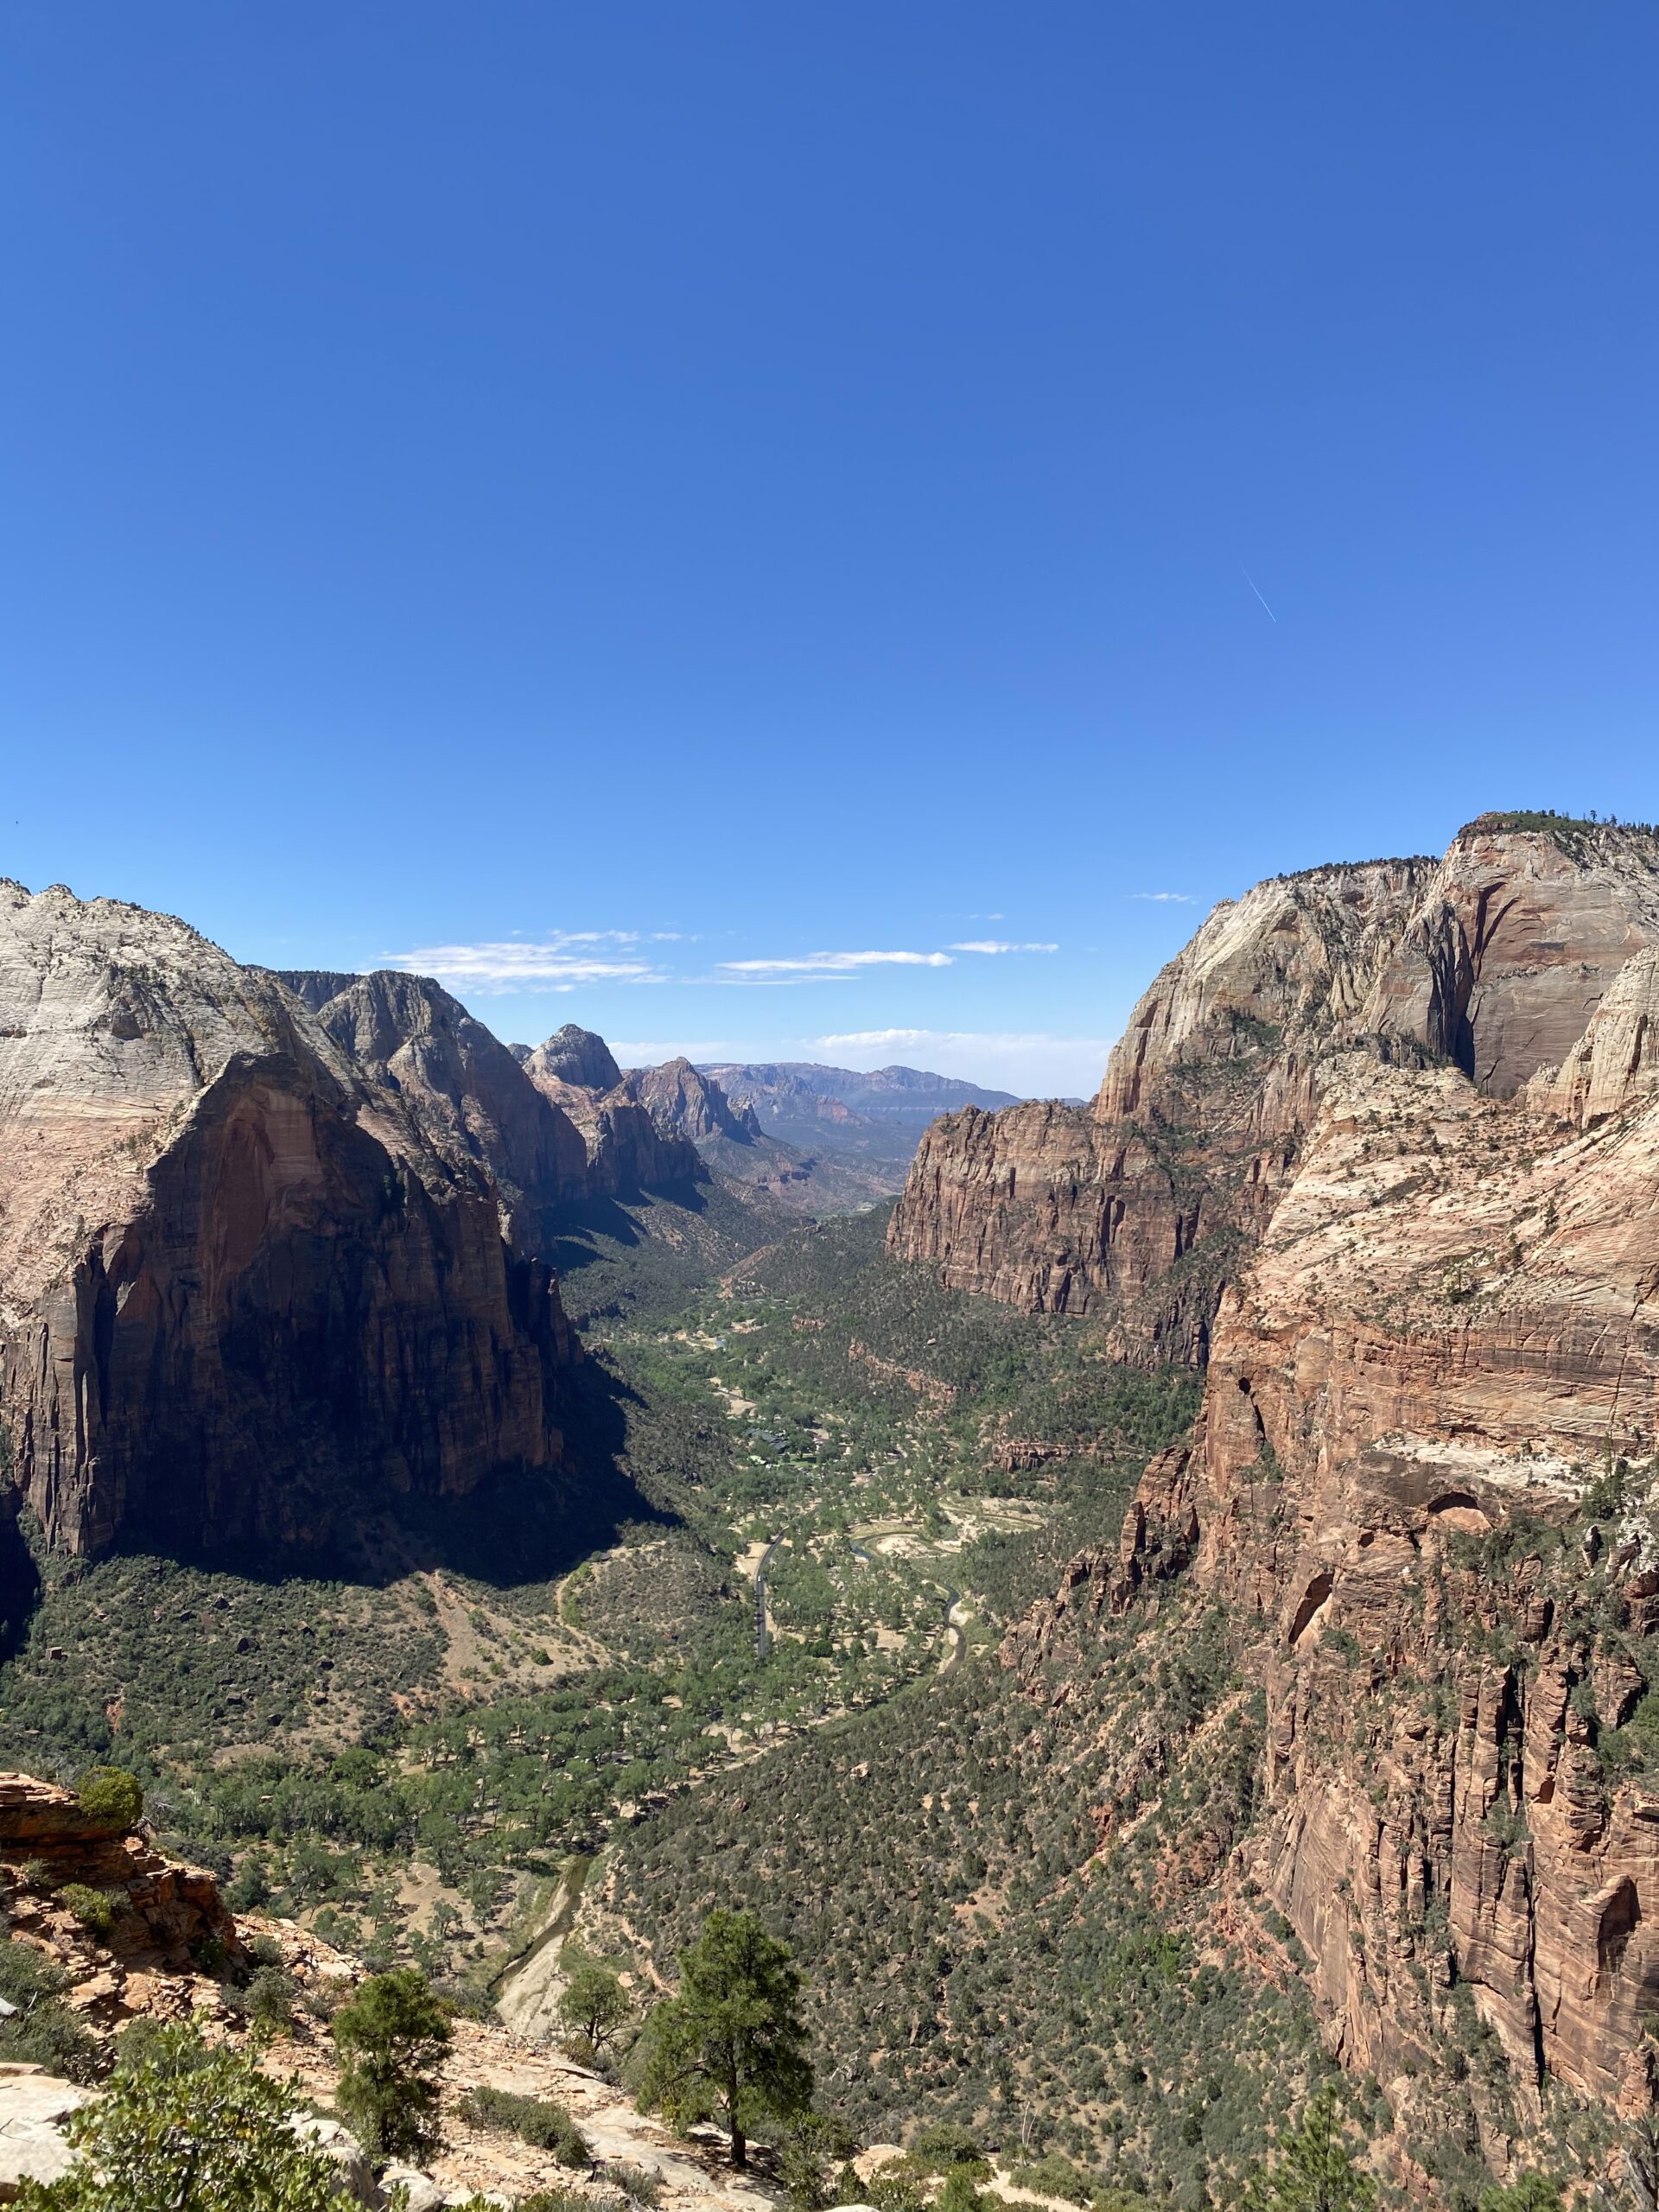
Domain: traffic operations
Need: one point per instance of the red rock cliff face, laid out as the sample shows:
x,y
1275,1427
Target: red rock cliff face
x,y
1138,1207
1423,1487
1424,1490
1142,1208
238,1283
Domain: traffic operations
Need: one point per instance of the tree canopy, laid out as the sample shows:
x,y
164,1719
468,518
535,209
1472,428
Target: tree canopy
x,y
1312,2170
732,2041
393,2037
183,2128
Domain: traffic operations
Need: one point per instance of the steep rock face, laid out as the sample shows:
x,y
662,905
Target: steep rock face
x,y
693,1105
1407,1486
471,1097
1493,959
1015,1204
1615,1065
1139,1207
1517,939
580,1057
626,1149
164,1908
238,1284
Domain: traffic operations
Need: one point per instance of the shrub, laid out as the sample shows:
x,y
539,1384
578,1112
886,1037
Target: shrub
x,y
1054,2175
182,2124
535,2120
42,2031
891,2189
144,2039
959,2194
268,2000
943,2145
569,2200
111,1796
208,1953
1528,2192
93,1908
393,2037
813,2144
638,2183
249,1886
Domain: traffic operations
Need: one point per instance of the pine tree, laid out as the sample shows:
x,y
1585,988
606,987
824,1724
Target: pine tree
x,y
732,2039
1312,2170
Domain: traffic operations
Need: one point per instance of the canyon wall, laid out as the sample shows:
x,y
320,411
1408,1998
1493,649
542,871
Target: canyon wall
x,y
1140,1208
627,1149
472,1098
241,1284
1137,1207
1422,1491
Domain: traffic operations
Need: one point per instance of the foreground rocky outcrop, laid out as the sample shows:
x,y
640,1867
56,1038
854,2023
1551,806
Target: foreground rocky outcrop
x,y
172,1952
240,1285
1140,1208
168,1917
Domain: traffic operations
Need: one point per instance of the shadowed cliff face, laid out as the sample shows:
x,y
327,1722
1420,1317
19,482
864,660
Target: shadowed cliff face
x,y
1143,1207
241,1288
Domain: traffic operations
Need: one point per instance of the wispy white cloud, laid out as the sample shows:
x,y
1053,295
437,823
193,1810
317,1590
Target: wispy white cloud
x,y
513,965
1033,1062
997,944
822,963
774,982
652,1052
1165,898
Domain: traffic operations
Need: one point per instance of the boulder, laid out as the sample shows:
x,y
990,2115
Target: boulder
x,y
33,2106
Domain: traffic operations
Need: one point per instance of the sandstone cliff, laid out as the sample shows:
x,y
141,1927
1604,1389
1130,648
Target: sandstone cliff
x,y
1138,1207
1141,1208
1422,1488
626,1149
471,1097
695,1105
240,1286
731,1143
166,1912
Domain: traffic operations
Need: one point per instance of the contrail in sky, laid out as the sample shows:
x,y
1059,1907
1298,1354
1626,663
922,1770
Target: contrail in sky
x,y
1250,579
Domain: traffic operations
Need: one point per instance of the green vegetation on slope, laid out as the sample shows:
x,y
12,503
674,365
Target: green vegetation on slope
x,y
405,1755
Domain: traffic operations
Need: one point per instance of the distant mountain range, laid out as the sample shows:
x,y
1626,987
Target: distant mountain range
x,y
879,1115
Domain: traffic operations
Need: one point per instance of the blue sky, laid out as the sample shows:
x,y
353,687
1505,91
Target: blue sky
x,y
658,487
